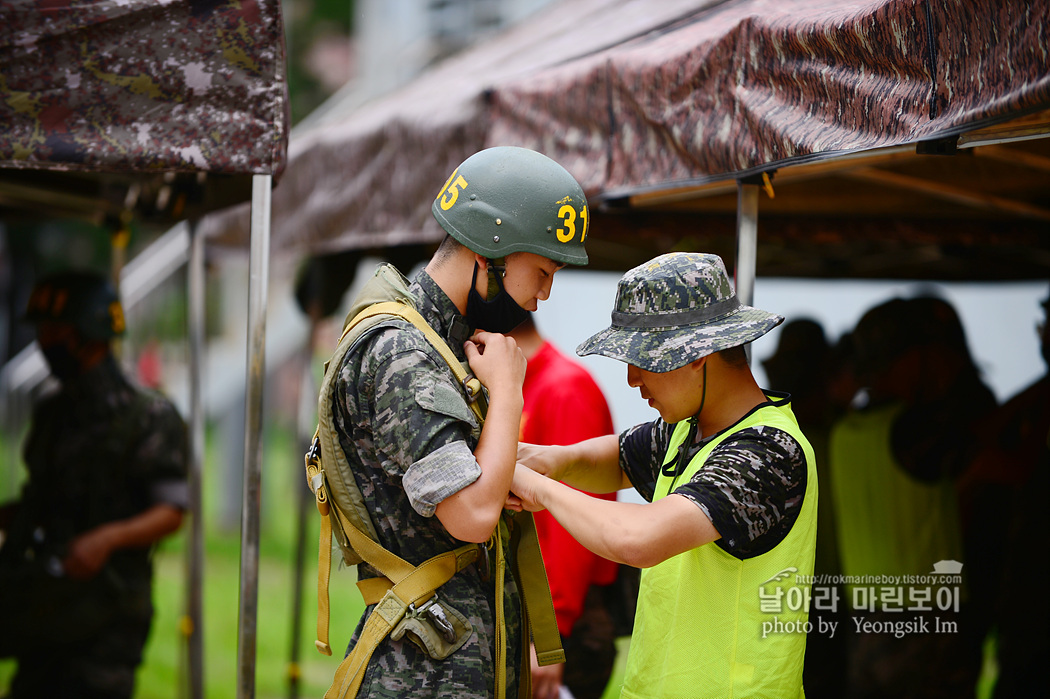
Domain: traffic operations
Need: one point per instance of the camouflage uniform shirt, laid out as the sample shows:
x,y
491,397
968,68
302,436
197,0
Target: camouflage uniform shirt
x,y
751,486
409,437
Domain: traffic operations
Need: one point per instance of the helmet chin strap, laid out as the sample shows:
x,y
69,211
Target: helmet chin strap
x,y
498,266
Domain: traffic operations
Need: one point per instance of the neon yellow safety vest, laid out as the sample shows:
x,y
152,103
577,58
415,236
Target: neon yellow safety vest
x,y
702,615
888,523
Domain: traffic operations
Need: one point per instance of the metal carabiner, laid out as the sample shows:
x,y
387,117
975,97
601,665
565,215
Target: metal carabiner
x,y
435,615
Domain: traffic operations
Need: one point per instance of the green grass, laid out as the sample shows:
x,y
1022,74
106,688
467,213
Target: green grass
x,y
163,673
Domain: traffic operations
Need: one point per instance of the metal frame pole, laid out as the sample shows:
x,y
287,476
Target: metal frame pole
x,y
746,244
194,629
250,505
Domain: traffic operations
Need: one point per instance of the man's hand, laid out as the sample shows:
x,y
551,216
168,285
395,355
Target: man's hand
x,y
524,490
546,679
87,553
496,360
541,459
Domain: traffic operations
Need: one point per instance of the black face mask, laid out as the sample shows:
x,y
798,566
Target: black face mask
x,y
500,315
64,365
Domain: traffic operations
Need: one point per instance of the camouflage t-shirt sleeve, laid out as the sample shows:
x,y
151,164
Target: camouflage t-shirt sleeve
x,y
421,422
641,448
751,488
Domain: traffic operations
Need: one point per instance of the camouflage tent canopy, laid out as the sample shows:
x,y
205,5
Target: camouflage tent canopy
x,y
116,107
888,129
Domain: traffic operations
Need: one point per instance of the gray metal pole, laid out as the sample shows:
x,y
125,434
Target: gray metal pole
x,y
251,503
195,567
746,244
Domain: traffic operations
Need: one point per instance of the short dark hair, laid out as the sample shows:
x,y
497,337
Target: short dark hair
x,y
736,357
447,248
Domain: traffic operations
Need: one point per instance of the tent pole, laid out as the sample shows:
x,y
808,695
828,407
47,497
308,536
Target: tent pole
x,y
250,504
746,244
194,627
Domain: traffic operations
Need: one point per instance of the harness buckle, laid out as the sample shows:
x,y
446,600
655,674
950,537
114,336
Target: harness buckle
x,y
315,476
472,387
484,561
436,617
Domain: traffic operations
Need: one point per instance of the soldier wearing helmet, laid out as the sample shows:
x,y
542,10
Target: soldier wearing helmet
x,y
430,474
106,466
731,485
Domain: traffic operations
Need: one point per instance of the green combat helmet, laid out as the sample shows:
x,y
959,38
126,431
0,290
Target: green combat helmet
x,y
507,199
85,300
676,308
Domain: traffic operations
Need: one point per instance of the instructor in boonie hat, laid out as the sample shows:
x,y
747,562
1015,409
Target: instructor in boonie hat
x,y
730,480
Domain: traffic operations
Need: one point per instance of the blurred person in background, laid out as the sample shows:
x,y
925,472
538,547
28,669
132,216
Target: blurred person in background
x,y
1012,469
107,465
895,459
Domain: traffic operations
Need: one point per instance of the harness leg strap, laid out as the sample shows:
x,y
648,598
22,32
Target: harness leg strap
x,y
415,587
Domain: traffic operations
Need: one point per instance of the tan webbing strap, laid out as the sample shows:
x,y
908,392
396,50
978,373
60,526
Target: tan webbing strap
x,y
315,477
500,630
373,589
535,592
417,586
324,572
469,382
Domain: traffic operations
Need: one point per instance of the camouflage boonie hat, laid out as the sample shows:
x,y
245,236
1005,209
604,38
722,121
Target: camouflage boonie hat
x,y
676,308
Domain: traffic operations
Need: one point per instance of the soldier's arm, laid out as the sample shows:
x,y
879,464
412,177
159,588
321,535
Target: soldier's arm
x,y
639,535
89,551
591,465
471,514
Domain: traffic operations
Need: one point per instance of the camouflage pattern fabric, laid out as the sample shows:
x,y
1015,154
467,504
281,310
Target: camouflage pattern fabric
x,y
631,96
409,436
190,85
98,450
676,308
751,85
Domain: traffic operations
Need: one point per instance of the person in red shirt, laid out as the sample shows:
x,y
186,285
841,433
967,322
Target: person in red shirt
x,y
564,405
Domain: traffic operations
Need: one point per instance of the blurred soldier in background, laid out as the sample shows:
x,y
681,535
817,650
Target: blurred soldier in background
x,y
107,466
895,460
1012,472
